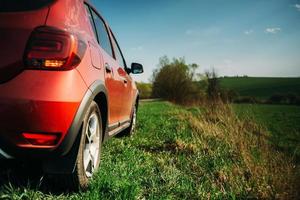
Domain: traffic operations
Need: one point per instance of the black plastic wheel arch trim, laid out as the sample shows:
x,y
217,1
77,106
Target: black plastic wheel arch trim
x,y
67,152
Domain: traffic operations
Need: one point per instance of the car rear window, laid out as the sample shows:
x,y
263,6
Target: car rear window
x,y
22,5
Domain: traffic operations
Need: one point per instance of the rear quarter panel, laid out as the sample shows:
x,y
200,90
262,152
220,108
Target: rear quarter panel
x,y
71,15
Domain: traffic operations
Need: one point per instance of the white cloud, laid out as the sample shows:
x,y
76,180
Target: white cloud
x,y
248,32
273,30
297,6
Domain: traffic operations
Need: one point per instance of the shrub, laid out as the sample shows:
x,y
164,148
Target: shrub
x,y
292,98
247,99
297,101
289,98
213,86
229,96
145,90
174,81
277,99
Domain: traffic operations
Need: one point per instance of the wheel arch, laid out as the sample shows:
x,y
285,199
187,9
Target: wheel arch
x,y
101,100
136,100
66,153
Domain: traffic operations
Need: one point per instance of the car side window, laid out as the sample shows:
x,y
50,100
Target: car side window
x,y
91,19
118,53
102,33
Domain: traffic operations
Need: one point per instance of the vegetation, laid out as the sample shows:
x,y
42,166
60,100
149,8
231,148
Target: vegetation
x,y
186,153
261,88
282,122
174,81
145,90
289,98
252,90
178,82
213,88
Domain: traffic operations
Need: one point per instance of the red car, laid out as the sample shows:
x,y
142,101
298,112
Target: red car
x,y
64,86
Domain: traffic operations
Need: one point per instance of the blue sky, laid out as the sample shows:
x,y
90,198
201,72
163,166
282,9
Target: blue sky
x,y
236,37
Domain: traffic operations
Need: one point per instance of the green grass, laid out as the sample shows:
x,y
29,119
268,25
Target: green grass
x,y
261,87
178,153
282,122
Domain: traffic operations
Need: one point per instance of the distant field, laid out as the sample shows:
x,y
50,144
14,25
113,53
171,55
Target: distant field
x,y
282,122
261,87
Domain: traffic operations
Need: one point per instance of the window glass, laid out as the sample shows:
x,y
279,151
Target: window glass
x,y
91,19
118,53
102,34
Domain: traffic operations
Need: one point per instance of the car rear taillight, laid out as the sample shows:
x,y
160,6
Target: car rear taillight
x,y
39,139
53,49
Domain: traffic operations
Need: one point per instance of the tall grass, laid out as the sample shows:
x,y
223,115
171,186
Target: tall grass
x,y
256,165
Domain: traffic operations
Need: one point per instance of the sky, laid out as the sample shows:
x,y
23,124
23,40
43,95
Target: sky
x,y
235,37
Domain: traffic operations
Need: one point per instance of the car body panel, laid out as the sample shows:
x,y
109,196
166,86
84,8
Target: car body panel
x,y
39,101
44,101
15,29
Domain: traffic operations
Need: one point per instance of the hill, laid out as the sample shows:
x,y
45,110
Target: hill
x,y
261,87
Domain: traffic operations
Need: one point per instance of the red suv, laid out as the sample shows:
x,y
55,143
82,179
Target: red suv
x,y
64,86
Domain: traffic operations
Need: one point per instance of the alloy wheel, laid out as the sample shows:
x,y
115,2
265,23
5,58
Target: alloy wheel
x,y
91,149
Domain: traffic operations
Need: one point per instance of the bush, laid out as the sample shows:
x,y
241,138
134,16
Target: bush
x,y
213,86
290,98
229,96
277,99
247,99
145,90
174,82
297,101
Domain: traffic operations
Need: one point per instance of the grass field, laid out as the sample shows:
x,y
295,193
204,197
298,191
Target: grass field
x,y
261,87
282,122
185,153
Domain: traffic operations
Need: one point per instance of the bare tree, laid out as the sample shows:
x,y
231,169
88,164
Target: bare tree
x,y
213,86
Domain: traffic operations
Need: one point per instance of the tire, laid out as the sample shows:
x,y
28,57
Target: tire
x,y
88,157
131,129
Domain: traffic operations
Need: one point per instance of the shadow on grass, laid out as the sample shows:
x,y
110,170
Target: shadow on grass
x,y
16,177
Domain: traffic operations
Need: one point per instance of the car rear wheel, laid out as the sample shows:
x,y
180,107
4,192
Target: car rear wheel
x,y
88,157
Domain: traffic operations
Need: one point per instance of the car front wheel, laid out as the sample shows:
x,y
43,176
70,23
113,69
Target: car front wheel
x,y
131,129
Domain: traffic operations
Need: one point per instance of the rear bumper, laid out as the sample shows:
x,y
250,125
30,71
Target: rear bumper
x,y
38,102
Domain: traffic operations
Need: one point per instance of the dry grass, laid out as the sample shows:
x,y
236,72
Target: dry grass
x,y
267,173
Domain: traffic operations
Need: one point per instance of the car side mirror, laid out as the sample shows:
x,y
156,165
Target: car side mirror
x,y
136,68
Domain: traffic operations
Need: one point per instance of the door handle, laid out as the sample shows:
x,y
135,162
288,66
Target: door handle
x,y
107,68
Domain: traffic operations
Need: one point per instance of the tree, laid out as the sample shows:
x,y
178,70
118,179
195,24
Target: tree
x,y
213,85
173,81
145,90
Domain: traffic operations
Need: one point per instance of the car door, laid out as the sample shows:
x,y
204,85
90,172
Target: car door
x,y
113,83
126,80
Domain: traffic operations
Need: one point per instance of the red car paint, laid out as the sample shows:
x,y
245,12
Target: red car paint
x,y
46,102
